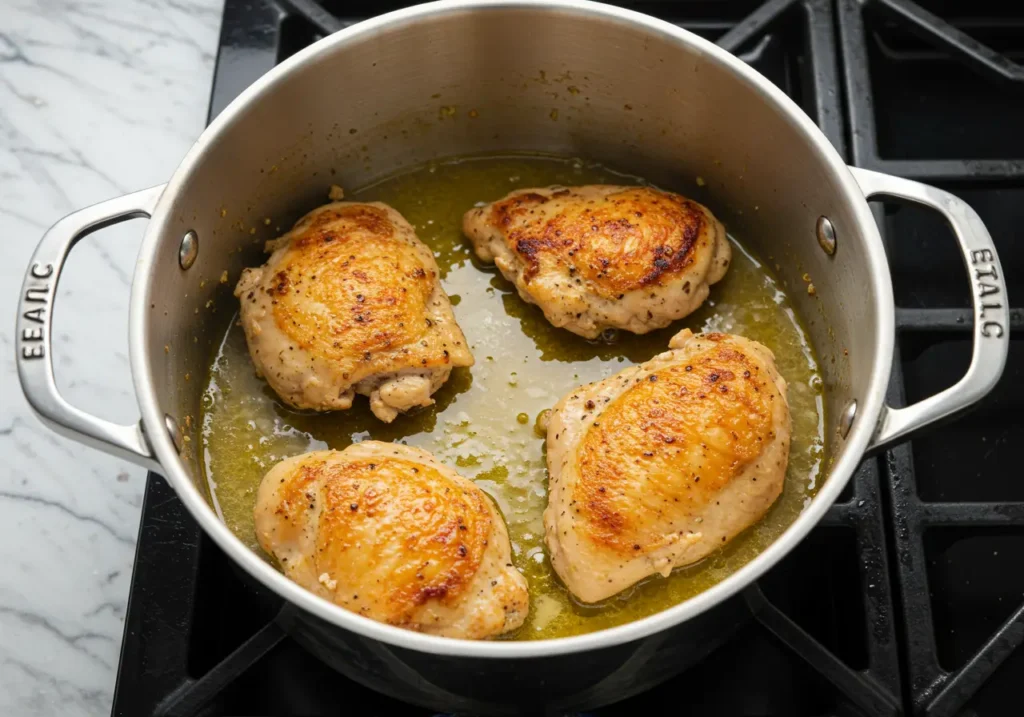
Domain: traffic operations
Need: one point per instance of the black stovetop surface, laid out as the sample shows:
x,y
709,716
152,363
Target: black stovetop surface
x,y
909,597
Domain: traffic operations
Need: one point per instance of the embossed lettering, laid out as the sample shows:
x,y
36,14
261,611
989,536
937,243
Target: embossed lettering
x,y
989,307
992,329
987,289
990,273
981,255
37,315
36,295
40,291
45,273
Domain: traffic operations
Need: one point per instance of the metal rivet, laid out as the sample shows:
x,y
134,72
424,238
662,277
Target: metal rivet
x,y
189,250
846,419
826,235
173,431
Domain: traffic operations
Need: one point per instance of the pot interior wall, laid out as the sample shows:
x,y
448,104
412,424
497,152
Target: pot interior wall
x,y
459,82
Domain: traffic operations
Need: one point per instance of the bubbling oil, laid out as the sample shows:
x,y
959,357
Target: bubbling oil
x,y
482,423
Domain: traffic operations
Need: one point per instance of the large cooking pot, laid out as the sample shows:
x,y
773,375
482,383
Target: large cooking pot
x,y
453,78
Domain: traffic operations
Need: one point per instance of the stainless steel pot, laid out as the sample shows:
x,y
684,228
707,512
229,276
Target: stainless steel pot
x,y
449,78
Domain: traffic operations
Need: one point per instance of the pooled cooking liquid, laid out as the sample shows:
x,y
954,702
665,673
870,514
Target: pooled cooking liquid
x,y
483,421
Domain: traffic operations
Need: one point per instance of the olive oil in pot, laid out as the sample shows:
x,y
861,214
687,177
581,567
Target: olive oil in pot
x,y
482,423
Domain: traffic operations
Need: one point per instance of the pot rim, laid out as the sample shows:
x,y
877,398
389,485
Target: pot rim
x,y
870,403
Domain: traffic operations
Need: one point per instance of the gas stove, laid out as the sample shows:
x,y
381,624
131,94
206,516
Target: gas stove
x,y
908,599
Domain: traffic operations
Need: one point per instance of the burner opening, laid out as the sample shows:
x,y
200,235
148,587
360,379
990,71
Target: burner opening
x,y
829,604
929,104
220,623
973,459
975,583
927,268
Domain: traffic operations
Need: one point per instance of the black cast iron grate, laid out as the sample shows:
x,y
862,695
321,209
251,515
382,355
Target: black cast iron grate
x,y
964,139
872,615
954,496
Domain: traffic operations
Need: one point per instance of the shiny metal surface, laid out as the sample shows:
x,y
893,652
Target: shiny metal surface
x,y
189,250
571,77
34,341
826,234
456,78
847,418
988,295
174,431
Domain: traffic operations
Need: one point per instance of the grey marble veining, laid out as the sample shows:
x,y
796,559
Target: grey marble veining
x,y
97,98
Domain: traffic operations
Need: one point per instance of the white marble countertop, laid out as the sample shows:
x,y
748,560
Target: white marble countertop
x,y
97,99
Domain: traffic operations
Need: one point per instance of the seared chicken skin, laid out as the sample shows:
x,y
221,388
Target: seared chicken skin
x,y
659,465
350,302
388,532
599,256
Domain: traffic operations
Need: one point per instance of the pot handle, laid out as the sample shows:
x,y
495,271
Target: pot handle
x,y
34,341
991,309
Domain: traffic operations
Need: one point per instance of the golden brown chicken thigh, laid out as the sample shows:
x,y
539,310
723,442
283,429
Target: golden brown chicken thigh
x,y
386,531
349,302
661,464
599,256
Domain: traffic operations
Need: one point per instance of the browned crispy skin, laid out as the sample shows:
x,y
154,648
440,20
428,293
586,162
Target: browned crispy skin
x,y
386,531
603,256
619,242
350,302
349,286
688,429
661,464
